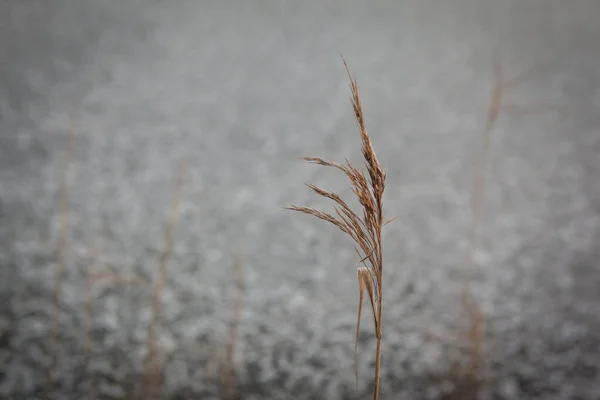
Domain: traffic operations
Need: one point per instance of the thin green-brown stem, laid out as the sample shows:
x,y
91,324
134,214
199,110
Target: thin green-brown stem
x,y
377,367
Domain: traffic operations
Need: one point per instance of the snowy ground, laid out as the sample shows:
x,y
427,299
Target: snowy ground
x,y
240,90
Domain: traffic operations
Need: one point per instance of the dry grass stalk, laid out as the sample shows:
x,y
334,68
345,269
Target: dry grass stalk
x,y
228,371
475,334
151,370
476,321
474,339
366,229
96,278
92,279
484,158
88,304
60,266
497,106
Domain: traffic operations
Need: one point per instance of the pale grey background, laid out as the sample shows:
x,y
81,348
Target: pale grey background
x,y
241,90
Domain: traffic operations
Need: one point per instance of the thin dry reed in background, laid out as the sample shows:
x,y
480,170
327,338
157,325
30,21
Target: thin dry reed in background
x,y
229,379
87,317
93,278
365,230
60,266
151,381
497,106
475,335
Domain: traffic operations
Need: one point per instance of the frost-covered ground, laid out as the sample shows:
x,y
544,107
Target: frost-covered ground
x,y
240,90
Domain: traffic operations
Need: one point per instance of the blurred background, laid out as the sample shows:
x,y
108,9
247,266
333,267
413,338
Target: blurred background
x,y
147,149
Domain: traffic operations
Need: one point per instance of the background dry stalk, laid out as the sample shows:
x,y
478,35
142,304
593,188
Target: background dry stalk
x,y
228,369
365,230
151,374
60,266
94,278
475,334
497,106
87,322
474,339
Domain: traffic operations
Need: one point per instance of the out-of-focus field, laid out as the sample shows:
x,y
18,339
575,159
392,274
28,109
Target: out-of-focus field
x,y
239,91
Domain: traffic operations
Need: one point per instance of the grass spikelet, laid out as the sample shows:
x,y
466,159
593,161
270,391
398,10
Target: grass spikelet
x,y
365,230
